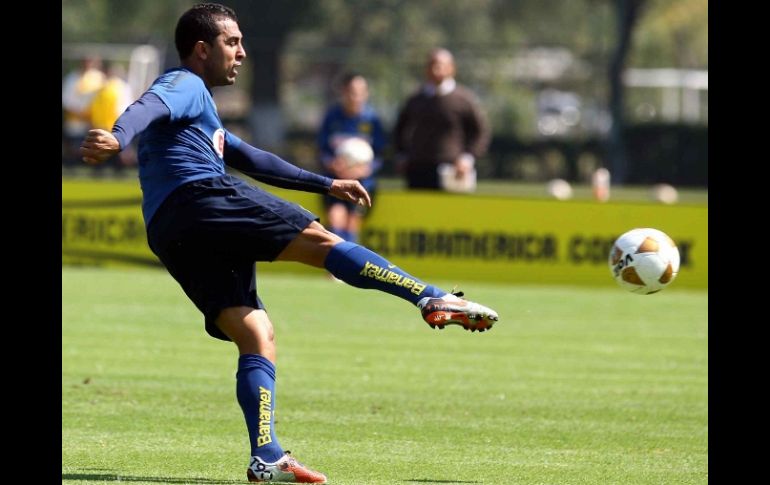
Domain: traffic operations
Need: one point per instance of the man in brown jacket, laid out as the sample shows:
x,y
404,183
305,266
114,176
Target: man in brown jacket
x,y
441,127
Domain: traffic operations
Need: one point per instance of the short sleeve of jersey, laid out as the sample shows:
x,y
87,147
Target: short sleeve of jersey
x,y
182,92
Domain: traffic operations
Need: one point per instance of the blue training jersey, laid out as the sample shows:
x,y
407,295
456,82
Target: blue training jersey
x,y
337,125
190,146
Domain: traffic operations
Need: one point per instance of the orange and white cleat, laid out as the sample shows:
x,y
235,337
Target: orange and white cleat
x,y
285,470
450,309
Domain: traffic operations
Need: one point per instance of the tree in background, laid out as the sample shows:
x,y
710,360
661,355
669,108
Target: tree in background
x,y
266,26
627,14
296,49
672,34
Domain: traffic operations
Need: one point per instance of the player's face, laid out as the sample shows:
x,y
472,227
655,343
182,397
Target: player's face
x,y
440,66
354,96
225,55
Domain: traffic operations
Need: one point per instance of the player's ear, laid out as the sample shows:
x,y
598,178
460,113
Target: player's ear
x,y
201,50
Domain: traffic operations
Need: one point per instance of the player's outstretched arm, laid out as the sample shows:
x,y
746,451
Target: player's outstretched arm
x,y
270,168
98,146
350,190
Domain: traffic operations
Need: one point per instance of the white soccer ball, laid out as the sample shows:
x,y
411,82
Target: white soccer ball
x,y
355,151
559,189
644,261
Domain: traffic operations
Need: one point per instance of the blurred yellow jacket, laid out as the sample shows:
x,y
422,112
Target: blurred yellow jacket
x,y
110,102
78,90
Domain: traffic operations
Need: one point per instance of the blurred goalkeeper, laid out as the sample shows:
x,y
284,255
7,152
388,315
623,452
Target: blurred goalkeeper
x,y
208,228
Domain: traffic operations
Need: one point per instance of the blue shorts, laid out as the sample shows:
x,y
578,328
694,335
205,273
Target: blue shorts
x,y
209,233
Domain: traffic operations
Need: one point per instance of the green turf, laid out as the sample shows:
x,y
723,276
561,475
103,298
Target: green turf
x,y
573,386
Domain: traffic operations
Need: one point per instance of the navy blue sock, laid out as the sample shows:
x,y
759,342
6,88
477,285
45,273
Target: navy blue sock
x,y
362,268
255,389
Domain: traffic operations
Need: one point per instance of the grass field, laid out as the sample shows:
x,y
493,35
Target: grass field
x,y
573,386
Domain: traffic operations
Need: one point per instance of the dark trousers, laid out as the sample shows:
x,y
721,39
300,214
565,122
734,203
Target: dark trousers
x,y
423,177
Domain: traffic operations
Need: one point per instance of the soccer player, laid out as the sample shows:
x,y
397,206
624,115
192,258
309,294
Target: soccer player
x,y
208,228
352,116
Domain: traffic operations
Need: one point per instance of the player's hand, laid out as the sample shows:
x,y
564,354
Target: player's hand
x,y
463,167
98,146
350,190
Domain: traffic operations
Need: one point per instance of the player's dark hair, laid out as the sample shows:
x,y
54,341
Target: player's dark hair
x,y
200,23
347,78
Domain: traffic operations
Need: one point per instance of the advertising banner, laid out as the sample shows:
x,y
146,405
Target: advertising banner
x,y
431,235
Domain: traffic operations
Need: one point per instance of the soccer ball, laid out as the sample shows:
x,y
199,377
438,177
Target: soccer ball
x,y
355,151
644,261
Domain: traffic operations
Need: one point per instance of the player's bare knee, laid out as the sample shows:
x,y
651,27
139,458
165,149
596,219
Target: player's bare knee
x,y
311,246
232,316
319,234
245,323
264,331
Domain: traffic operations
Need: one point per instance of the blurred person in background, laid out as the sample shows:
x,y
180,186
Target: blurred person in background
x,y
440,129
208,227
350,117
78,90
112,99
108,103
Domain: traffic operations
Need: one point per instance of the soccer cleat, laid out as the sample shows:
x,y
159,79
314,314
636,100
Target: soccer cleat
x,y
285,470
451,309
